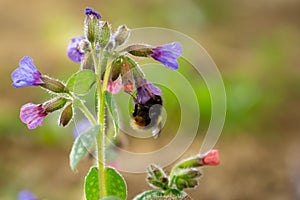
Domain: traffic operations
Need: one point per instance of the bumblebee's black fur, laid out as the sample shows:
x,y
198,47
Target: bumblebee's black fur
x,y
143,117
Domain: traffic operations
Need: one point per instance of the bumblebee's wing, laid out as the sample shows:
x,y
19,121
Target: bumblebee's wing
x,y
156,131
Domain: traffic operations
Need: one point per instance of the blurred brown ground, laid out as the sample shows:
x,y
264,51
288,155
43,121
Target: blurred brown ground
x,y
255,42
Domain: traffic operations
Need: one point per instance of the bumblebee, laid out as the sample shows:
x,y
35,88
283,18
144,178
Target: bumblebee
x,y
148,115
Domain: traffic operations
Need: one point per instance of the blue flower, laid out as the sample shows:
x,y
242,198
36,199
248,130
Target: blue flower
x,y
168,54
26,195
33,115
26,74
145,89
74,51
92,12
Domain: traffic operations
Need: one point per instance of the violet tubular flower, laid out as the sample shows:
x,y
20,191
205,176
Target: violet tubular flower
x,y
145,89
26,74
168,54
33,115
26,195
74,51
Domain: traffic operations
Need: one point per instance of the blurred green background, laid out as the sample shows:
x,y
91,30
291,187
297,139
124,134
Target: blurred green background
x,y
255,44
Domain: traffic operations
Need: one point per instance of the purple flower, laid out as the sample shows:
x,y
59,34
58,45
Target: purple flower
x,y
92,12
144,89
74,51
168,54
26,195
26,74
32,115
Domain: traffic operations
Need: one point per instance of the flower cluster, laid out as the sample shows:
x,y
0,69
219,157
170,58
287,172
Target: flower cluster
x,y
183,175
108,69
80,47
98,42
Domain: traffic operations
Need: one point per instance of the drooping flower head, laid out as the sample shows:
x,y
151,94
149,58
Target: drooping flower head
x,y
92,13
144,89
26,195
26,74
168,54
114,86
74,51
33,115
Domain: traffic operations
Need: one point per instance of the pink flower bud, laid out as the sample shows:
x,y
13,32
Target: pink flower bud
x,y
211,157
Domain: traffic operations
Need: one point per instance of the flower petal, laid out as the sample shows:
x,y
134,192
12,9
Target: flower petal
x,y
144,89
26,74
91,11
168,54
32,115
73,50
114,86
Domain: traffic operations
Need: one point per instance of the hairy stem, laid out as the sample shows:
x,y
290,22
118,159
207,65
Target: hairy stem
x,y
87,113
100,114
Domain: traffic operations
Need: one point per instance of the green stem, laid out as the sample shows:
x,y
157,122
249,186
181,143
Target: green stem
x,y
100,114
87,113
83,109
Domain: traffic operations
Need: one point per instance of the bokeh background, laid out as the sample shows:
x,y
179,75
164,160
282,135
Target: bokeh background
x,y
255,44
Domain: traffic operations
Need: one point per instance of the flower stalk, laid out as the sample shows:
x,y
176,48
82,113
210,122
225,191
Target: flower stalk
x,y
101,88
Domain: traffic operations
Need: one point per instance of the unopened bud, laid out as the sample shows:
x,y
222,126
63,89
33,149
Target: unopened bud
x,y
189,173
163,183
121,35
155,171
140,50
209,158
103,34
157,177
183,183
55,104
190,162
91,24
66,115
53,85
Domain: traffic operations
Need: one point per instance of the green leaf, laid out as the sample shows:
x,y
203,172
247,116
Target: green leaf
x,y
113,111
82,144
178,193
149,195
115,183
81,82
111,198
91,184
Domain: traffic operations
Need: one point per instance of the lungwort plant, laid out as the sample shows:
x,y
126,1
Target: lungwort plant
x,y
107,70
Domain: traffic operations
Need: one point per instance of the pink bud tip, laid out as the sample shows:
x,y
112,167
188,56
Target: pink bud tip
x,y
211,158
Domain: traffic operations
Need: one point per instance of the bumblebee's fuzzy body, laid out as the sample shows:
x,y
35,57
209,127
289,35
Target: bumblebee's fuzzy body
x,y
148,114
